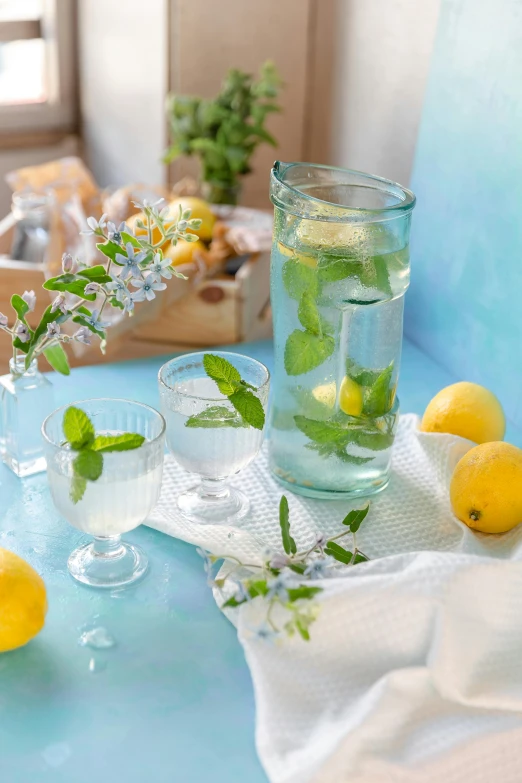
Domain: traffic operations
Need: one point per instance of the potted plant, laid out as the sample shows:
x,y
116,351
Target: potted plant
x,y
224,132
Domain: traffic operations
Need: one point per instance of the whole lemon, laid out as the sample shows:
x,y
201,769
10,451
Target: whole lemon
x,y
486,487
468,410
183,252
23,601
200,209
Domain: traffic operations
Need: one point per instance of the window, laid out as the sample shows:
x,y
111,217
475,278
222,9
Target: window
x,y
37,66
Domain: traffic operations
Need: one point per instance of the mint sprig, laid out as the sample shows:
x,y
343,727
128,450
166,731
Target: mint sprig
x,y
88,464
239,392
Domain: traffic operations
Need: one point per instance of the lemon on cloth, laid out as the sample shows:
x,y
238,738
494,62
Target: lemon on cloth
x,y
183,252
200,210
468,410
486,487
23,601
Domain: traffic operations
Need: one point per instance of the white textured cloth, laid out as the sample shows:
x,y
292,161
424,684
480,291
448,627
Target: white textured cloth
x,y
413,673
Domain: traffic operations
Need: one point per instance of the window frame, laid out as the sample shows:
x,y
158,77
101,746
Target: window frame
x,y
59,112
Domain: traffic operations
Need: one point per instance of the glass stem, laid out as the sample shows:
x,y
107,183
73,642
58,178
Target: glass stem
x,y
213,488
108,546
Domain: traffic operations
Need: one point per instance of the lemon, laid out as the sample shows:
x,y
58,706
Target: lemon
x,y
289,252
486,487
200,209
468,410
23,601
326,394
183,252
350,397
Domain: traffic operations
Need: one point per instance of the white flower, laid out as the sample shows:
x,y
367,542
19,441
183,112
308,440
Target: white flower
x,y
265,632
160,268
3,320
241,593
91,288
130,262
29,298
279,561
95,226
318,569
83,335
68,264
279,586
53,329
146,289
321,539
59,304
22,332
146,204
94,321
118,286
115,233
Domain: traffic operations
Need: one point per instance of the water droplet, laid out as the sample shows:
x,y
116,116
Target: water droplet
x,y
99,638
96,665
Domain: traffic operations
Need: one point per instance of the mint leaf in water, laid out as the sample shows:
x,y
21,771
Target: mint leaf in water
x,y
379,399
239,392
78,487
371,272
222,372
250,408
124,442
88,465
331,438
289,544
305,351
299,279
310,318
77,428
321,431
338,451
215,416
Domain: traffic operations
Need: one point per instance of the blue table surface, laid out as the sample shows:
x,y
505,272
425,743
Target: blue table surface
x,y
173,700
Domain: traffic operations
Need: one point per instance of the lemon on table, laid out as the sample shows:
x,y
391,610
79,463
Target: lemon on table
x,y
486,487
183,252
350,397
468,410
200,210
23,601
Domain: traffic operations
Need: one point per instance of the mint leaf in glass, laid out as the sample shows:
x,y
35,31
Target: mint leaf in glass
x,y
88,465
299,278
305,351
379,399
215,416
238,391
222,372
78,487
77,428
125,442
250,407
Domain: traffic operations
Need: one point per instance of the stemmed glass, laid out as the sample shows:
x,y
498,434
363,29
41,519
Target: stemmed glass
x,y
116,502
221,445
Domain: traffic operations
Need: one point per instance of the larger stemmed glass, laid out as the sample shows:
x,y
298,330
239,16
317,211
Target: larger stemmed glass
x,y
223,446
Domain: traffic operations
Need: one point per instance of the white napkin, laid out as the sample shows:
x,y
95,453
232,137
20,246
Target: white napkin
x,y
413,671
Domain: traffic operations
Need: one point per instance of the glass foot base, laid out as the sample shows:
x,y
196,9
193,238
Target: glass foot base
x,y
108,563
327,494
227,506
25,468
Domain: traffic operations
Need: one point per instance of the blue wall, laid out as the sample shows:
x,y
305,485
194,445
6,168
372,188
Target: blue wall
x,y
464,307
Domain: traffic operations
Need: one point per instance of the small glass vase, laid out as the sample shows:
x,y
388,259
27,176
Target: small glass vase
x,y
26,399
221,192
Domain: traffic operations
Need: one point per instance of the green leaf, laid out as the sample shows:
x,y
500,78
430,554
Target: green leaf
x,y
109,249
374,440
379,399
129,238
338,450
78,487
305,351
354,519
303,591
308,314
232,603
299,278
257,587
321,431
338,553
57,358
302,629
250,408
96,274
47,318
125,442
20,307
77,428
222,372
79,319
215,416
289,544
331,269
360,558
382,276
297,568
88,465
360,375
73,284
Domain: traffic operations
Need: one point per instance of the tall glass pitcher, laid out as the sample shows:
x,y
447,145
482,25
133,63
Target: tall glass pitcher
x,y
340,269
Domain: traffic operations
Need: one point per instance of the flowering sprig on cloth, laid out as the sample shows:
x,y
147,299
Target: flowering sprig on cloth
x,y
283,580
132,271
